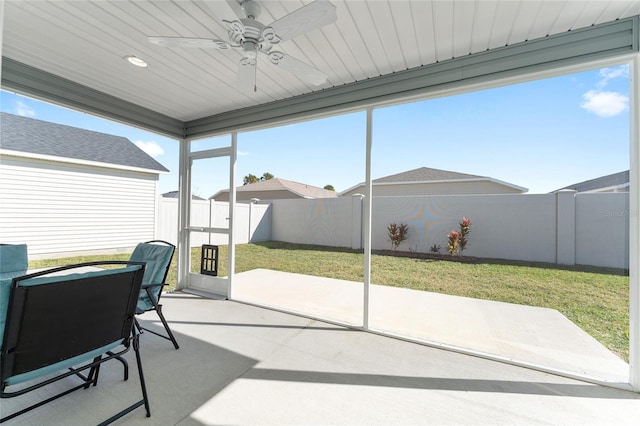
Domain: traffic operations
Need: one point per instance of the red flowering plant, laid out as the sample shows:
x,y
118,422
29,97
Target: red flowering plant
x,y
397,234
465,228
453,244
457,240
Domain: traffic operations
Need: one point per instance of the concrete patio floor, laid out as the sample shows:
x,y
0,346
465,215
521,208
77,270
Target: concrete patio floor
x,y
244,365
533,335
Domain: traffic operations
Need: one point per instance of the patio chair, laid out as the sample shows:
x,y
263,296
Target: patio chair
x,y
61,324
13,260
157,255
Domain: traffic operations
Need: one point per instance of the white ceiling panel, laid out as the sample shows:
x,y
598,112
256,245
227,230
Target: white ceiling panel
x,y
85,42
462,28
485,13
443,29
502,27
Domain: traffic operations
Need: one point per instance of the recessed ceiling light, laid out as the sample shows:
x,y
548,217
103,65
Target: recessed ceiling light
x,y
134,60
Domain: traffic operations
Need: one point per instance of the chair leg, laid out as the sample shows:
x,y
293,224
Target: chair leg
x,y
143,385
158,309
124,364
92,377
166,327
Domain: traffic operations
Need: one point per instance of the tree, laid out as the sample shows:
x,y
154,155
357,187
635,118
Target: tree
x,y
329,188
249,179
253,178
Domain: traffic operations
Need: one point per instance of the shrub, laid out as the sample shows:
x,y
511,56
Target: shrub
x,y
453,245
397,234
435,248
465,228
457,240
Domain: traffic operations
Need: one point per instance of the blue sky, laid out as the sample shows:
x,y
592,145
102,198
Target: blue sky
x,y
541,135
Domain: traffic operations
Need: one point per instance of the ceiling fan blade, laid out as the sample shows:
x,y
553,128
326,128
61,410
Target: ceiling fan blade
x,y
246,80
307,18
189,42
300,69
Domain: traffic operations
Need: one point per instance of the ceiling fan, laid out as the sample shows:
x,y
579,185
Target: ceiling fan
x,y
252,37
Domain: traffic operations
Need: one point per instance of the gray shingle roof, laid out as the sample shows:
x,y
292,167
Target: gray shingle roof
x,y
176,194
277,184
425,174
602,182
40,137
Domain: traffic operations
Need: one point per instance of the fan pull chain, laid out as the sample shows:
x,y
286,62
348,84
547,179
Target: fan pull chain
x,y
255,76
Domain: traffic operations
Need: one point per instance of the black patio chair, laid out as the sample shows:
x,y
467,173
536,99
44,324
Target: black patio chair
x,y
68,324
157,255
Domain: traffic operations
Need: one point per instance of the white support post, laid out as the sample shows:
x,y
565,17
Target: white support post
x,y
184,206
232,210
634,227
368,196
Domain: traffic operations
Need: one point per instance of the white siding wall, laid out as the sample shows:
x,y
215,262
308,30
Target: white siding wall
x,y
60,208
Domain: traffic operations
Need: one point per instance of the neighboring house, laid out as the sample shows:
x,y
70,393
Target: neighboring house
x,y
427,181
65,190
175,194
617,182
274,189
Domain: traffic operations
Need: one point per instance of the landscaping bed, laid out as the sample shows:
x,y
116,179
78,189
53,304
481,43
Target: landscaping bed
x,y
422,255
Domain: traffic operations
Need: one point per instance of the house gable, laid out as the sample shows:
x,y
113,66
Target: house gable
x,y
28,137
610,183
428,181
274,189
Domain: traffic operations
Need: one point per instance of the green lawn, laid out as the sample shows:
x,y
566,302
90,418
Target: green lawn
x,y
596,299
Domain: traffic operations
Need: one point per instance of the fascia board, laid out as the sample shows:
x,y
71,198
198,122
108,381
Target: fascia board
x,y
56,159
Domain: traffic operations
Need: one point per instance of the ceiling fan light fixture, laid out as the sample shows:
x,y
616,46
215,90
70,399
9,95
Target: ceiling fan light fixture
x,y
134,60
250,49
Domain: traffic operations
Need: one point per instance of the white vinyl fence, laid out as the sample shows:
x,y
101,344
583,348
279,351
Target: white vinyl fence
x,y
253,222
564,228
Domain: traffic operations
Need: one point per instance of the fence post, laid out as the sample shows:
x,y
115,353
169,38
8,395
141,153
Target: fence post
x,y
251,203
566,227
356,221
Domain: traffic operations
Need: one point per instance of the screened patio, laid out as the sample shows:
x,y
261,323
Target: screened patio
x,y
71,54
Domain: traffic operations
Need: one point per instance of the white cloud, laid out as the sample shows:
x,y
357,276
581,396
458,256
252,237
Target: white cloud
x,y
604,104
24,110
242,153
607,74
152,148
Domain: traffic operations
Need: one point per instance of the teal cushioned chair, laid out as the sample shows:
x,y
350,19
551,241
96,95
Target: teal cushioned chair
x,y
61,324
13,260
157,255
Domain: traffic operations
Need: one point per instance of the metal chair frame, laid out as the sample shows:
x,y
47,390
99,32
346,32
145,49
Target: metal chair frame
x,y
80,302
156,305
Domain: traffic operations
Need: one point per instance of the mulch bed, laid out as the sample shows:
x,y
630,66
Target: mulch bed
x,y
420,255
